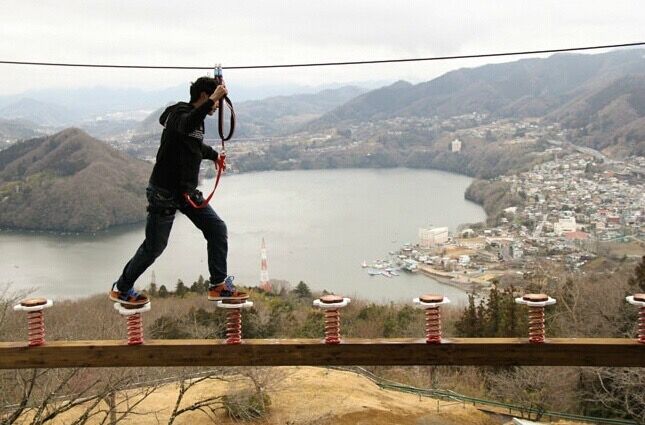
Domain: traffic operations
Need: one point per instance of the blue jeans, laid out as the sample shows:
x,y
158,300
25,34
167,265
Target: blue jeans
x,y
162,206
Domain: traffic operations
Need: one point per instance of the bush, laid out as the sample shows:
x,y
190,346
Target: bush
x,y
247,405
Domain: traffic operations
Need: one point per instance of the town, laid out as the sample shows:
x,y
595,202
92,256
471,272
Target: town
x,y
574,208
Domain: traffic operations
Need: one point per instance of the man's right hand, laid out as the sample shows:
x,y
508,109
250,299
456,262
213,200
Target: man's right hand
x,y
219,93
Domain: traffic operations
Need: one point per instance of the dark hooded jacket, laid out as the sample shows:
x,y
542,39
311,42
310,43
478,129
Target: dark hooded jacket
x,y
182,148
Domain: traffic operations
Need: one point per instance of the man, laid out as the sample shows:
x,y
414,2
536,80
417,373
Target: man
x,y
175,173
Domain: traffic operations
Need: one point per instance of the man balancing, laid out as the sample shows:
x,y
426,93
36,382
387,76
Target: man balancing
x,y
174,178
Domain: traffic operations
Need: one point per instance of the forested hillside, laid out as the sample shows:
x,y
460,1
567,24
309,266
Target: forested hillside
x,y
70,182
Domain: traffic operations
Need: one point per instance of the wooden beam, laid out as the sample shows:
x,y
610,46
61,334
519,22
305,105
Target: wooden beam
x,y
311,352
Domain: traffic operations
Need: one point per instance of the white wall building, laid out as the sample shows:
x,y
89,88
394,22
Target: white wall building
x,y
455,146
564,225
429,238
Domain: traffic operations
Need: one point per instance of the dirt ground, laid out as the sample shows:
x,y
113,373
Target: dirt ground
x,y
314,396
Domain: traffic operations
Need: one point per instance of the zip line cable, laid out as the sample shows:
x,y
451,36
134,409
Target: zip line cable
x,y
315,64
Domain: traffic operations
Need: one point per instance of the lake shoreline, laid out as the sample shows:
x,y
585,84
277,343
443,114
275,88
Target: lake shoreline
x,y
318,229
120,226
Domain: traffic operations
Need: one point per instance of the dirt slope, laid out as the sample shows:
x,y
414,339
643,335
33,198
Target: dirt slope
x,y
314,396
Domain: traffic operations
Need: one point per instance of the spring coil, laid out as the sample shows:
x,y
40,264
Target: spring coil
x,y
536,325
433,325
35,328
135,329
234,326
332,326
641,325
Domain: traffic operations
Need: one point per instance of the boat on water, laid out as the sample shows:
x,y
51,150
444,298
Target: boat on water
x,y
364,264
409,265
386,273
373,272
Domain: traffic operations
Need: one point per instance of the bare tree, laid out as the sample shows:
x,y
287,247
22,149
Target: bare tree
x,y
208,405
620,391
538,388
7,300
41,396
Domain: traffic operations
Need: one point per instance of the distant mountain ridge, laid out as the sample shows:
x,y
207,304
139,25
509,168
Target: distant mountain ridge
x,y
271,116
38,112
610,116
70,182
555,88
528,87
16,129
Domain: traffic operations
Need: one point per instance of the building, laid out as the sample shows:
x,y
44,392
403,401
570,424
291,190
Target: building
x,y
565,225
430,238
455,146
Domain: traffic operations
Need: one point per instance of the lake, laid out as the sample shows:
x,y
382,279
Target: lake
x,y
319,226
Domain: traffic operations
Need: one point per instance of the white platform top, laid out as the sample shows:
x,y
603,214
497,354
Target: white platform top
x,y
521,300
130,311
20,307
245,304
632,301
332,306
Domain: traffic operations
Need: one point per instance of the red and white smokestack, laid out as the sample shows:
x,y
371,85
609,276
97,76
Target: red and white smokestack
x,y
264,271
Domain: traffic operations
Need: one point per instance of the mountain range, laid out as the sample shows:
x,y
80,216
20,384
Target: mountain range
x,y
88,102
70,181
601,95
528,87
272,116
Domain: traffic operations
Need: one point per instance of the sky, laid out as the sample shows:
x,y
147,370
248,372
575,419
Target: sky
x,y
251,32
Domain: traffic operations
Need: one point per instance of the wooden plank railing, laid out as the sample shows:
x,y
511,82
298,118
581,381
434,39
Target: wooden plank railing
x,y
311,352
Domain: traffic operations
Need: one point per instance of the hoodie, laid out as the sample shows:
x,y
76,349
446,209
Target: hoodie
x,y
182,148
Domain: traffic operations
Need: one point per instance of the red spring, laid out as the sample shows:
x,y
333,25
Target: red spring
x,y
332,327
641,325
433,325
536,324
135,329
234,326
36,328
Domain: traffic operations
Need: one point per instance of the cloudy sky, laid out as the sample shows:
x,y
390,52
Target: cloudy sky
x,y
200,33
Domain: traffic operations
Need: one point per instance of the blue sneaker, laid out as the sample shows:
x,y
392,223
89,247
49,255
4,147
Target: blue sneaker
x,y
226,291
130,297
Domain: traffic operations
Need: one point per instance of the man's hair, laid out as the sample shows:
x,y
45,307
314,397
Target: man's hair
x,y
202,84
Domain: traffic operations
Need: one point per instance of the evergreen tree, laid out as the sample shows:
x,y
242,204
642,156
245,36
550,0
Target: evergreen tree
x,y
302,290
180,289
152,290
467,325
482,315
514,317
163,292
200,286
494,313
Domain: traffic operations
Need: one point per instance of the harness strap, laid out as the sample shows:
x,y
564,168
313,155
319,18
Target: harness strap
x,y
219,166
